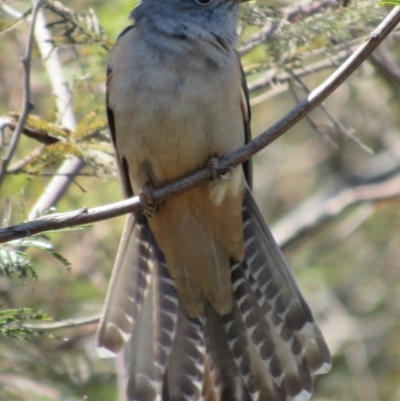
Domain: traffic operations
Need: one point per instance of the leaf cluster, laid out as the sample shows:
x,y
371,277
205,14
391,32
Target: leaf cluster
x,y
71,27
12,323
14,260
88,141
294,39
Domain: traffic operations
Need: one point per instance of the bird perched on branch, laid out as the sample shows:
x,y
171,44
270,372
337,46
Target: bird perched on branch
x,y
201,298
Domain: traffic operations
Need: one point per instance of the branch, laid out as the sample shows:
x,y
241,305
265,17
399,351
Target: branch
x,y
26,104
18,166
386,64
37,134
64,324
346,132
311,121
322,207
85,216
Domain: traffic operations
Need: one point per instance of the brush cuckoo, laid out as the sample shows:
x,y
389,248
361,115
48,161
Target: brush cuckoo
x,y
201,299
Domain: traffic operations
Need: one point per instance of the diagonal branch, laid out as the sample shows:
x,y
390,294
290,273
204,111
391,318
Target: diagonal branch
x,y
323,207
85,216
64,324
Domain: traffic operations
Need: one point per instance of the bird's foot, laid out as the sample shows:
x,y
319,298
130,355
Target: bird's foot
x,y
146,197
216,172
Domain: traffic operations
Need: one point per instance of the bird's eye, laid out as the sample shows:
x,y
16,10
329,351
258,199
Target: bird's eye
x,y
203,2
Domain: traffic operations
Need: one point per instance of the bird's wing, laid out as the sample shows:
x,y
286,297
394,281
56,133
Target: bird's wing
x,y
141,307
246,113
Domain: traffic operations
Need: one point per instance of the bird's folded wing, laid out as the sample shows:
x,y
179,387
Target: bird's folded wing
x,y
126,292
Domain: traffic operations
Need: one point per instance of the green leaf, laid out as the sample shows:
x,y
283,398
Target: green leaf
x,y
41,242
14,261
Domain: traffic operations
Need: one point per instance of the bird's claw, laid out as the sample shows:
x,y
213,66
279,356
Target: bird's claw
x,y
215,172
146,198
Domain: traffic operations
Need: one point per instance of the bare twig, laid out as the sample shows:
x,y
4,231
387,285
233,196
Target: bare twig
x,y
275,91
279,78
387,65
70,176
64,324
18,166
26,103
347,132
85,216
311,121
321,208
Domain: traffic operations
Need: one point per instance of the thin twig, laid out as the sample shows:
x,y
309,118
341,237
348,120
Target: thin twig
x,y
18,170
26,103
19,165
85,216
64,324
387,65
347,132
272,77
275,91
311,121
321,208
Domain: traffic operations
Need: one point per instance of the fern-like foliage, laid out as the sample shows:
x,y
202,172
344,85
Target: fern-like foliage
x,y
293,38
12,322
89,141
71,27
15,261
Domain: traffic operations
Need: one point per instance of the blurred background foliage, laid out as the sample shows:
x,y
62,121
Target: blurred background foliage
x,y
329,187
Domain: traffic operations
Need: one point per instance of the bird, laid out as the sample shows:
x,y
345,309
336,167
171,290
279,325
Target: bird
x,y
201,301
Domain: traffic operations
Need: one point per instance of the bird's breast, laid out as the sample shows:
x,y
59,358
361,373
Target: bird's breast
x,y
171,117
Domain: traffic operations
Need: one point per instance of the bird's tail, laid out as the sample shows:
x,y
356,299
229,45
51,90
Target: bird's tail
x,y
267,348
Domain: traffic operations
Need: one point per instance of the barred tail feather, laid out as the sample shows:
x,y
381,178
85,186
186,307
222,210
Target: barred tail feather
x,y
238,345
127,290
279,311
265,349
148,351
227,382
184,376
